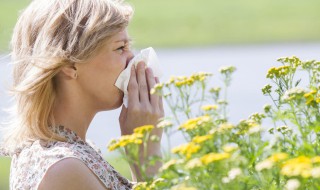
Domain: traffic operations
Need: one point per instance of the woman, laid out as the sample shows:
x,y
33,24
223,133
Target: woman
x,y
67,56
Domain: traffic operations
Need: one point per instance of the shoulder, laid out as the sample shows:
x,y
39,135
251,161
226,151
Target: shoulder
x,y
70,173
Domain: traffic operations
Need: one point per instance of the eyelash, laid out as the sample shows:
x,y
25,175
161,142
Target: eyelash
x,y
124,47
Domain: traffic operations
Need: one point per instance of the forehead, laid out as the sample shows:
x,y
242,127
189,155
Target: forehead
x,y
120,37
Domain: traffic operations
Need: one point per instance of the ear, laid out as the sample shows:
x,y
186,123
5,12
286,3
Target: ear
x,y
70,71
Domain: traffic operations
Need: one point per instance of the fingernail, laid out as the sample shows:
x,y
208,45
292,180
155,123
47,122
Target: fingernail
x,y
141,63
149,70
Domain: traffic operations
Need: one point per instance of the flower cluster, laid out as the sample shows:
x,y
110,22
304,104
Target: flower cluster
x,y
136,138
237,153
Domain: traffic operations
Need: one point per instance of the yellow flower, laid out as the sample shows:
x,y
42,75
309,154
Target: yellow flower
x,y
266,164
316,159
170,163
182,187
209,107
230,147
225,127
278,71
227,69
200,139
278,157
164,124
134,138
310,97
113,144
196,162
143,129
157,88
195,122
155,182
187,149
140,186
212,157
315,172
300,166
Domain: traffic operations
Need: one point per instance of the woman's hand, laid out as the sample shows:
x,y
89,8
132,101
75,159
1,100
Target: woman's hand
x,y
143,108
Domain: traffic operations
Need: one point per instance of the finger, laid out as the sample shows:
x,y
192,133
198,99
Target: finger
x,y
142,82
154,98
160,102
123,114
133,93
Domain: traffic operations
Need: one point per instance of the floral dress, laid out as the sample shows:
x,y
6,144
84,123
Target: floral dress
x,y
30,162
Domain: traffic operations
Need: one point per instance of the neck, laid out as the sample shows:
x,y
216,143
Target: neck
x,y
73,113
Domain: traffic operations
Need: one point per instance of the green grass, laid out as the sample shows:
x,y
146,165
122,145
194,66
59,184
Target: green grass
x,y
168,23
118,163
4,173
206,22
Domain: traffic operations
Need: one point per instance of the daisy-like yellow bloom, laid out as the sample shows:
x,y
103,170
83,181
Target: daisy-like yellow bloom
x,y
170,163
278,157
156,182
201,139
172,80
187,149
278,71
265,164
125,140
310,97
201,76
113,145
157,88
140,186
315,159
315,172
230,147
183,187
143,129
193,163
195,122
270,161
300,166
212,157
266,89
164,124
182,81
225,127
227,69
209,107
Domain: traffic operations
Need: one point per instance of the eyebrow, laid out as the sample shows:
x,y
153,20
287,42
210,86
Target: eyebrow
x,y
126,40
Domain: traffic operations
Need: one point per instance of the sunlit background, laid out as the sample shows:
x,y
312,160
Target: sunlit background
x,y
198,35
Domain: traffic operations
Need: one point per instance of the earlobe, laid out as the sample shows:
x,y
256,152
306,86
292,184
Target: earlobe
x,y
70,71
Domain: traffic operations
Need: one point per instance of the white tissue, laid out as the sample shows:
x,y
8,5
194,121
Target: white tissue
x,y
150,58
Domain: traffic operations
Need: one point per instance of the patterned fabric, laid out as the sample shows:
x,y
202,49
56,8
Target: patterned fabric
x,y
30,163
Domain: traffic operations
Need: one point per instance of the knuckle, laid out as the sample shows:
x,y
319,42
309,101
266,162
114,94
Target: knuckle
x,y
132,86
143,87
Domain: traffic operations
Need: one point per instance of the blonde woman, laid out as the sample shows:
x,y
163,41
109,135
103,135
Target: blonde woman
x,y
67,56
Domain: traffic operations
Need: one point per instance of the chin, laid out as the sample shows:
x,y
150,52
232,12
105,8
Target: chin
x,y
114,105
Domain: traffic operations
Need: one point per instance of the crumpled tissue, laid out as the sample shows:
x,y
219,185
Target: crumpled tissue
x,y
151,60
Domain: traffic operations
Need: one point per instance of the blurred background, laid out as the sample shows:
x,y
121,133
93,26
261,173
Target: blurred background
x,y
197,35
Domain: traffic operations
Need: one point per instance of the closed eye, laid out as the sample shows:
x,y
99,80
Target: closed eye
x,y
124,47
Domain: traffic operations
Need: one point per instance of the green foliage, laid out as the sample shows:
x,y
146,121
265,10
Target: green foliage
x,y
4,173
166,23
222,155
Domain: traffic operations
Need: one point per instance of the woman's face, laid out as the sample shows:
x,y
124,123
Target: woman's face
x,y
98,76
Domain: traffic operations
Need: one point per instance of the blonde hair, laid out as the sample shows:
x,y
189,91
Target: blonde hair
x,y
49,35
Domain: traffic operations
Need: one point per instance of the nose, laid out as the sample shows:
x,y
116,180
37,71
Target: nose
x,y
129,57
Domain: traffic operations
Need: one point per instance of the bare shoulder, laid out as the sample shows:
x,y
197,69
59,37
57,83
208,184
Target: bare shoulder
x,y
70,173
